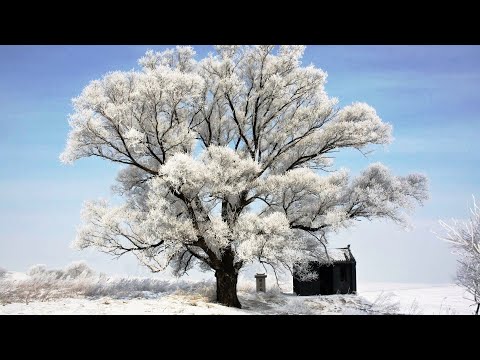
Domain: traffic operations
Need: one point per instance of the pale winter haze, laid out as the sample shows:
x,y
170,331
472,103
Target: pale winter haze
x,y
429,94
221,160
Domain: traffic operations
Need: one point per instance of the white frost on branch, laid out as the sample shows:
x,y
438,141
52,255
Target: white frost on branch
x,y
219,172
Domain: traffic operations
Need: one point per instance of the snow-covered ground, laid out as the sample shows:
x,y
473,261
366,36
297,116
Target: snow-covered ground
x,y
183,303
445,299
169,304
70,291
428,299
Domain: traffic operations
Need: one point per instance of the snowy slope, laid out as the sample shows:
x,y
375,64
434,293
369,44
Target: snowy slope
x,y
175,303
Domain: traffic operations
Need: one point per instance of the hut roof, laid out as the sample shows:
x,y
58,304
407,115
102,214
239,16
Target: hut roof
x,y
339,255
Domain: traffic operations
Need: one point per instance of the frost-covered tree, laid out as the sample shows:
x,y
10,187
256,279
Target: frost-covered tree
x,y
221,162
465,239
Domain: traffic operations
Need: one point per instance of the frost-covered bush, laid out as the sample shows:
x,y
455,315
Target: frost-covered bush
x,y
78,269
296,306
3,272
140,287
464,237
79,280
75,270
385,303
37,270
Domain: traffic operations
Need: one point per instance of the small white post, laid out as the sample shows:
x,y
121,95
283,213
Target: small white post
x,y
261,282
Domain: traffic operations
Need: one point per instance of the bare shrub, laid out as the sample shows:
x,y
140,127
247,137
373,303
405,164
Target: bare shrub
x,y
78,269
78,280
464,237
3,272
414,308
296,306
385,304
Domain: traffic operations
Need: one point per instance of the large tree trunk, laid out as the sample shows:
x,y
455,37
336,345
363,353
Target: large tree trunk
x,y
227,276
227,288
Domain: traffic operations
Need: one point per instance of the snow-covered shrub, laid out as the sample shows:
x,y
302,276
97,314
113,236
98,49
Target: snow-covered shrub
x,y
36,270
296,306
139,287
414,308
78,280
3,272
247,286
78,269
385,304
464,237
6,291
274,290
43,284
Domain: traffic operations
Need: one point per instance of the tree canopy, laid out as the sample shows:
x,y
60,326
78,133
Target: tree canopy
x,y
229,160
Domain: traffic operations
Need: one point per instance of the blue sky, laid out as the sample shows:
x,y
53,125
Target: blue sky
x,y
430,94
